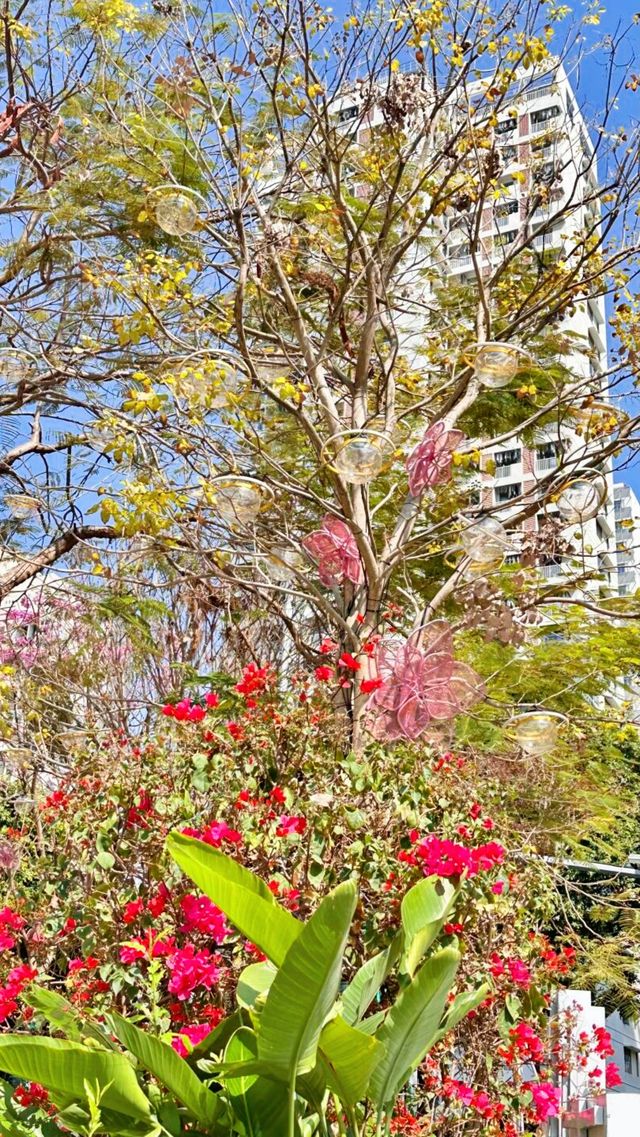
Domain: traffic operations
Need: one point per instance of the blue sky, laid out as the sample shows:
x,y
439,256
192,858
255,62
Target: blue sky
x,y
591,95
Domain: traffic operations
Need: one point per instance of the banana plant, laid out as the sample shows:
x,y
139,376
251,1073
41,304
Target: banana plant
x,y
296,1046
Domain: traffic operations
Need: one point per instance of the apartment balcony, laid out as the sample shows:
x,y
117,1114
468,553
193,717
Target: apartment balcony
x,y
543,465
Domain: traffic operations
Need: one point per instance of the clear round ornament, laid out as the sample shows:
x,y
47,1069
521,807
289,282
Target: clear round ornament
x,y
359,456
536,732
477,568
582,498
284,563
175,209
15,367
21,504
485,539
238,500
495,364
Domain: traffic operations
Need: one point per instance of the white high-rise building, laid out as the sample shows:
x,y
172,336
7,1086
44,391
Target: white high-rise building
x,y
627,519
546,153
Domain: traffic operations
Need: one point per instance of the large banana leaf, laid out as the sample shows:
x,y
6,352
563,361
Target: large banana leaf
x,y
424,909
366,983
172,1072
63,1068
305,988
63,1016
241,895
348,1058
461,1005
411,1025
254,982
261,1105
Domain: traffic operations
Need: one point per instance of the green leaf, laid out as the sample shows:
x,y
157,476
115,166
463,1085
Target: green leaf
x,y
63,1067
254,981
105,860
261,1105
217,1039
461,1005
357,997
304,990
63,1016
169,1068
349,1058
241,895
411,1025
425,907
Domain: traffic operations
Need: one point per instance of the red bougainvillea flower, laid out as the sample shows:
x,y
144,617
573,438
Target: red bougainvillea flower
x,y
334,548
149,946
421,682
191,969
324,673
348,661
31,1095
14,984
369,685
254,679
430,462
132,910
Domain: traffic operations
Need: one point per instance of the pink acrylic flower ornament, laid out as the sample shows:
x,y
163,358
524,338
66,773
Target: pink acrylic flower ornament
x,y
421,683
429,463
334,548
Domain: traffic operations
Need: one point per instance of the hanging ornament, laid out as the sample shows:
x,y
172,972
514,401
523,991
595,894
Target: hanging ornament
x,y
358,456
482,567
15,367
284,563
175,209
495,364
536,732
21,504
485,539
238,501
582,497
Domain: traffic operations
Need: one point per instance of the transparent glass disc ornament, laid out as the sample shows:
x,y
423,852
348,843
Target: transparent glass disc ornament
x,y
15,367
536,732
495,364
21,504
582,498
475,568
485,539
239,500
175,209
284,563
358,455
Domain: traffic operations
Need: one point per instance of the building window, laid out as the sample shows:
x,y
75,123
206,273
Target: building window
x,y
506,238
506,125
347,113
506,208
507,457
508,492
545,114
509,153
631,1062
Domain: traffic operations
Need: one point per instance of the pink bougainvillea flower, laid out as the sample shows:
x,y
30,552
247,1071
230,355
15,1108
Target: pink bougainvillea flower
x,y
546,1099
612,1076
429,463
287,826
189,1037
201,915
421,682
191,969
334,548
